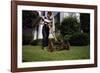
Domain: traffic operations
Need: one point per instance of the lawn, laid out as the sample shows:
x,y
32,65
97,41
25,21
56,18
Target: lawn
x,y
35,53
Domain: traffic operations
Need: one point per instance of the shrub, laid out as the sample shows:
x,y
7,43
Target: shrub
x,y
67,37
79,39
59,37
69,25
26,39
34,42
27,36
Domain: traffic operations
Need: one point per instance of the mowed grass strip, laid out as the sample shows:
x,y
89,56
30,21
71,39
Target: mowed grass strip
x,y
35,53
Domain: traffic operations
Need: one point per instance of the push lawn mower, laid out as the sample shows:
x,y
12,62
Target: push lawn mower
x,y
56,45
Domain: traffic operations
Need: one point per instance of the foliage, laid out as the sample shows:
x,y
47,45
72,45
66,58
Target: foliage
x,y
85,22
26,38
79,39
69,26
34,42
59,37
57,25
67,37
28,18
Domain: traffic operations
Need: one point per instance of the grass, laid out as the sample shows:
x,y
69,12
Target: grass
x,y
35,53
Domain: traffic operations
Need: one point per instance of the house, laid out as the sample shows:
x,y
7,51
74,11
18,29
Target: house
x,y
57,18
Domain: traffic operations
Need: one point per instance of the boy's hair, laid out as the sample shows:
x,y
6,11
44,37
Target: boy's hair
x,y
50,13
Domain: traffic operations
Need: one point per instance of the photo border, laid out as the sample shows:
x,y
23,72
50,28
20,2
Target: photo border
x,y
14,32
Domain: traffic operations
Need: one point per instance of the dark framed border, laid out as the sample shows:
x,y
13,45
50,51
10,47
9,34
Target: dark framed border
x,y
14,35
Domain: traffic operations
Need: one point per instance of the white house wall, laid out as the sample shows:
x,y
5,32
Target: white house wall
x,y
62,16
